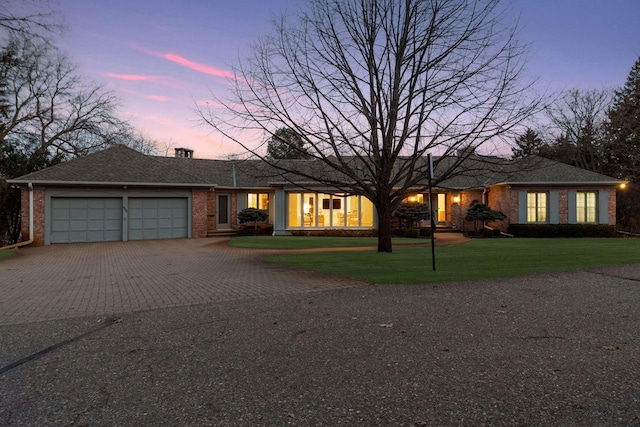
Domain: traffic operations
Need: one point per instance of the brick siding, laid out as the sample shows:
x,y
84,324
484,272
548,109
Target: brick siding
x,y
199,213
38,215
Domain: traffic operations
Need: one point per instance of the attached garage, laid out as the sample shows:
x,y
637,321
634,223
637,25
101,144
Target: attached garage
x,y
107,215
86,219
158,218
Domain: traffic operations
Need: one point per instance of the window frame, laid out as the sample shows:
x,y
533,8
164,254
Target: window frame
x,y
259,198
536,208
583,217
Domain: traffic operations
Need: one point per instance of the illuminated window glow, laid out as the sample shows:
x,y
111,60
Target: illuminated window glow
x,y
537,207
322,210
586,207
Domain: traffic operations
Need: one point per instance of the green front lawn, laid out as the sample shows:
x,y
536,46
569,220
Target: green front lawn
x,y
478,259
308,242
6,253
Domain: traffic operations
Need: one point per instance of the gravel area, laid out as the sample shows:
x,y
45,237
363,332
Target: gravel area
x,y
552,349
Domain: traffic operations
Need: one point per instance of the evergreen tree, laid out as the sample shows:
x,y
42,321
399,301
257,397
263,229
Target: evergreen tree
x,y
481,213
623,133
286,143
623,128
527,144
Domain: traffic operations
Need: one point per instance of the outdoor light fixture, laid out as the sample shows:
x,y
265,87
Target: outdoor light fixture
x,y
623,185
456,199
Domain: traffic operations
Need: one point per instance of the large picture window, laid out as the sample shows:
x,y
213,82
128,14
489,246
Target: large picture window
x,y
586,207
322,210
536,207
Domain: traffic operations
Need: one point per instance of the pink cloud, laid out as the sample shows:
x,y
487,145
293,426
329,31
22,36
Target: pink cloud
x,y
129,77
197,66
158,98
159,120
138,77
180,60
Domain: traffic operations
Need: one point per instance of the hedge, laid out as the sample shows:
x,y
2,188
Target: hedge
x,y
562,230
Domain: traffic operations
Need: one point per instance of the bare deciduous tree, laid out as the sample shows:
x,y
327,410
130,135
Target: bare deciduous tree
x,y
31,18
579,117
372,86
48,105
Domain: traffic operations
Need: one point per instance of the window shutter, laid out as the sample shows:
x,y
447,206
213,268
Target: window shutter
x,y
603,207
571,207
554,208
522,207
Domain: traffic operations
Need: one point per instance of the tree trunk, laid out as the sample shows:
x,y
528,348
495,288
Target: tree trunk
x,y
384,227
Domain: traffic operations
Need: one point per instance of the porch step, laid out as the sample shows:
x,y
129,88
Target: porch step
x,y
221,233
447,230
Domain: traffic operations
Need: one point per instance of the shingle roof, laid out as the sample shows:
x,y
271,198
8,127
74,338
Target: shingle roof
x,y
122,165
117,164
538,170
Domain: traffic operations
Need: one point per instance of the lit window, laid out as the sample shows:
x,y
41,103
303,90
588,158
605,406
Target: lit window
x,y
536,207
322,210
414,198
258,201
586,207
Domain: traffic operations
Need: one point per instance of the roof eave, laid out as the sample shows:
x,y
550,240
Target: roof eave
x,y
558,183
110,184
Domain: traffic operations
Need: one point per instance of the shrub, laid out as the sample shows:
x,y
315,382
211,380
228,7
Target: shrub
x,y
480,212
254,231
562,230
412,213
252,215
413,233
398,232
425,232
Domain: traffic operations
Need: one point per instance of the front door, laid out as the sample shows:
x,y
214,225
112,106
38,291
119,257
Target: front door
x,y
223,216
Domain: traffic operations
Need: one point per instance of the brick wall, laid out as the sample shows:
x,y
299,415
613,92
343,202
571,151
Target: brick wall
x,y
234,209
500,199
505,199
199,213
38,215
459,211
211,211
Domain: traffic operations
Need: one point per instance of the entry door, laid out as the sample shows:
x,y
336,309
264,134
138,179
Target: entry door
x,y
223,217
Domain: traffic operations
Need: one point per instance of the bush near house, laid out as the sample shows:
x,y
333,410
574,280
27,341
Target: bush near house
x,y
262,230
562,230
252,215
411,214
480,213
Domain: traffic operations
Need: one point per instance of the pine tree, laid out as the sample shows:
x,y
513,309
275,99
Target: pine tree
x,y
623,133
623,128
527,144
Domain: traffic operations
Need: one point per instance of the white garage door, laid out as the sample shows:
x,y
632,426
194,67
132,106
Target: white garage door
x,y
86,219
157,218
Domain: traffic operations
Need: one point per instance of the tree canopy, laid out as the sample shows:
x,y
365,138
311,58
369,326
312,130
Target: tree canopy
x,y
373,86
285,143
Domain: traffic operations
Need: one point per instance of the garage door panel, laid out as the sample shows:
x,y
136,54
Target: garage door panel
x,y
158,218
86,219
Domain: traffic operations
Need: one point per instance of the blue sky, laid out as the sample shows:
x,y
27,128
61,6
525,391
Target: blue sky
x,y
162,57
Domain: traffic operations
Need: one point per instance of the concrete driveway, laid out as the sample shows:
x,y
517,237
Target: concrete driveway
x,y
94,279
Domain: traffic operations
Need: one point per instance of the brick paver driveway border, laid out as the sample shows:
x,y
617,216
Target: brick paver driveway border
x,y
78,280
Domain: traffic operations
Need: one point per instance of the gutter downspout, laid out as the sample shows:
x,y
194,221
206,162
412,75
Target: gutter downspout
x,y
30,241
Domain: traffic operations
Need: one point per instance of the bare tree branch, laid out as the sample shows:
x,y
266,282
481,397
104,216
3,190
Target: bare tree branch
x,y
372,86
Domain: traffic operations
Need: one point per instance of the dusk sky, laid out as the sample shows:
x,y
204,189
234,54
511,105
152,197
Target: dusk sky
x,y
161,57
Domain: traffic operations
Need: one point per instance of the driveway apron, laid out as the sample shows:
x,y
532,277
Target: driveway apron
x,y
94,279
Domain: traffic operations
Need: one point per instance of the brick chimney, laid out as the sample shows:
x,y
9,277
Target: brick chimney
x,y
184,152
